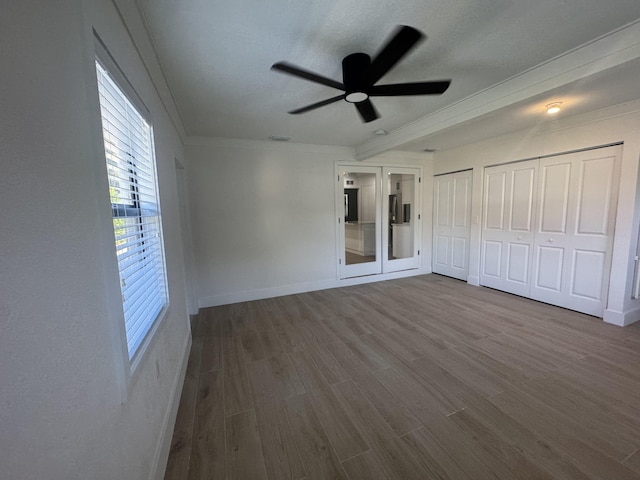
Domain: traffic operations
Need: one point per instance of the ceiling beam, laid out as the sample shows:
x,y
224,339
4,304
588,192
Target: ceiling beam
x,y
608,51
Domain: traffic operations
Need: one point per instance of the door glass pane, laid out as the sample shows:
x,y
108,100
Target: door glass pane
x,y
360,217
401,206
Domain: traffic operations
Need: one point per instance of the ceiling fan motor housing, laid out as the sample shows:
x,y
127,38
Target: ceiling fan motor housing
x,y
353,68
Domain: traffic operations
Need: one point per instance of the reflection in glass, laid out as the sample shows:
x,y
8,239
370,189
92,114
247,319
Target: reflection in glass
x,y
360,218
401,224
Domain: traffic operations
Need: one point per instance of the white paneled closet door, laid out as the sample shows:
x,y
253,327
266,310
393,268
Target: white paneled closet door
x,y
507,228
452,224
548,228
574,229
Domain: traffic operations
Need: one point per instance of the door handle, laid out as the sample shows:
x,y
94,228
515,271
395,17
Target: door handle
x,y
519,237
550,240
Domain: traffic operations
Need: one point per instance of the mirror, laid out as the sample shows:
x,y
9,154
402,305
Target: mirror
x,y
401,226
360,217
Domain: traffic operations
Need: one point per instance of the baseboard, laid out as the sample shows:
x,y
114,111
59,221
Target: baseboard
x,y
259,294
475,281
163,446
250,295
621,319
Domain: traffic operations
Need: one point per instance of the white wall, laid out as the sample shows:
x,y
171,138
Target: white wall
x,y
264,218
62,414
615,124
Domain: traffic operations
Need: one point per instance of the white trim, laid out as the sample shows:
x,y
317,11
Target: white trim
x,y
473,280
163,446
259,294
133,19
622,319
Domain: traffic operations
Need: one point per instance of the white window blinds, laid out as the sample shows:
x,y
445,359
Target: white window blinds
x,y
128,145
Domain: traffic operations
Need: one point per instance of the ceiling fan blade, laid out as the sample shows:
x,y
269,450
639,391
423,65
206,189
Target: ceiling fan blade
x,y
417,88
290,69
400,44
313,106
367,111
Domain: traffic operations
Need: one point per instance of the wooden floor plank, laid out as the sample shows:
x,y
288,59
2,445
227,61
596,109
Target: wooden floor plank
x,y
434,457
252,346
340,430
211,347
317,454
237,396
285,375
278,445
589,459
397,416
208,444
180,453
537,450
364,467
244,449
397,461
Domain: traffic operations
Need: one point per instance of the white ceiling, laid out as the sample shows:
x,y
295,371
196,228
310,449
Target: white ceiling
x,y
216,57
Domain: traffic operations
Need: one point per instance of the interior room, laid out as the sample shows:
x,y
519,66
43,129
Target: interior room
x,y
319,239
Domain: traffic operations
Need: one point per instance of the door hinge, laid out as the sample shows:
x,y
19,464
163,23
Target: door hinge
x,y
418,252
338,178
419,217
339,261
419,179
338,219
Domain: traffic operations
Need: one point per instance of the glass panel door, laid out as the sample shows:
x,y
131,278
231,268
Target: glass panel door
x,y
400,217
360,231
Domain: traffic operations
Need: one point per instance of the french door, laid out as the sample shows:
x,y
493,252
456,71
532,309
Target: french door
x,y
379,219
548,228
452,224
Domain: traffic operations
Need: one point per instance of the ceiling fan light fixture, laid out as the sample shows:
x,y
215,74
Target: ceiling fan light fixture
x,y
553,108
360,73
356,97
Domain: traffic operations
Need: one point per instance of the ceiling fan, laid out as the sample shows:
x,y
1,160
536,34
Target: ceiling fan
x,y
360,73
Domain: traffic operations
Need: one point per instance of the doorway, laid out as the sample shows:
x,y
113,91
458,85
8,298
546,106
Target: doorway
x,y
378,218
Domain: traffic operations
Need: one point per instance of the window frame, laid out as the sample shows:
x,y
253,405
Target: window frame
x,y
132,210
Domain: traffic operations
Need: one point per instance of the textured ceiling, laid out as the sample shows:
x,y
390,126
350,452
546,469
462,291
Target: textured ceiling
x,y
216,57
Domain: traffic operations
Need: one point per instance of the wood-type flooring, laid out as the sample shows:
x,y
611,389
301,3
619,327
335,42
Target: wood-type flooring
x,y
419,378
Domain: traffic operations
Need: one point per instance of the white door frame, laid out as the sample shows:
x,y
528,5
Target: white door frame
x,y
382,263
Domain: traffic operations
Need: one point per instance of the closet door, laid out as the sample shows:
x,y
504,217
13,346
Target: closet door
x,y
574,229
507,230
452,224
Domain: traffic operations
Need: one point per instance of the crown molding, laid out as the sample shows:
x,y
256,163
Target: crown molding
x,y
136,25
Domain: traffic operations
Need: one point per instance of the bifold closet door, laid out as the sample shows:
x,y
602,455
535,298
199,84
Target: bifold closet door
x,y
452,224
574,229
507,228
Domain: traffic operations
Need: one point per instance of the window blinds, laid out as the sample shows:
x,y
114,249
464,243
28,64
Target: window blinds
x,y
128,145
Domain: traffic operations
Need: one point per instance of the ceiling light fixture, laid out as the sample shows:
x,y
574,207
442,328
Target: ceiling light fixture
x,y
356,97
380,132
553,107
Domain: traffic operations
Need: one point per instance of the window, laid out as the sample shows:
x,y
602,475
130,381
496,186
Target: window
x,y
128,145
